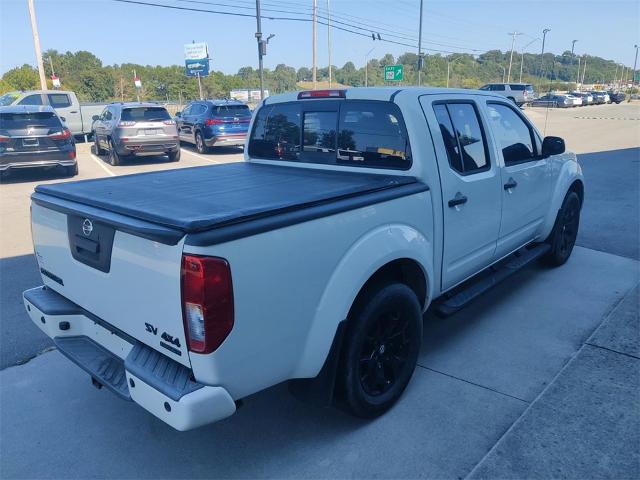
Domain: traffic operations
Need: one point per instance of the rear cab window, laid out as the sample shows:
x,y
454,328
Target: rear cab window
x,y
59,100
144,114
354,133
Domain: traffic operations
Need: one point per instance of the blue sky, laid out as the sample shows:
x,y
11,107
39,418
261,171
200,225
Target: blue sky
x,y
118,32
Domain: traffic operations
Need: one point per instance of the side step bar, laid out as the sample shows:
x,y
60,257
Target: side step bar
x,y
463,295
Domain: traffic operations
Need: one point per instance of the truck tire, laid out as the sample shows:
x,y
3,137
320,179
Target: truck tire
x,y
114,158
380,350
201,147
565,230
174,156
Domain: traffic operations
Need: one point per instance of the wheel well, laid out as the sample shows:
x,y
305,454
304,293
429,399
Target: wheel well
x,y
578,187
403,270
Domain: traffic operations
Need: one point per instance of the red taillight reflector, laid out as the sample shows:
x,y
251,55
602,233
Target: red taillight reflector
x,y
207,302
126,124
322,94
63,135
72,154
4,138
214,121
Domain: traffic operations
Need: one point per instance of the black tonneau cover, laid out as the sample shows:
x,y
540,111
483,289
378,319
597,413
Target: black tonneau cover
x,y
198,200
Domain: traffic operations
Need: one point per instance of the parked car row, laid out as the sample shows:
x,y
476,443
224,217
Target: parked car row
x,y
577,99
518,93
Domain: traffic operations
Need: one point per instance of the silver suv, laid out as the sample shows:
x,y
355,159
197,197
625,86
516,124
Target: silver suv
x,y
125,130
518,93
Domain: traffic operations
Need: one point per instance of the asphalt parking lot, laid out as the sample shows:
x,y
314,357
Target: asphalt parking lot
x,y
539,378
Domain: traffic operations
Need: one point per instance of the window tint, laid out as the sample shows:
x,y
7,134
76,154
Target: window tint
x,y
513,135
496,88
515,86
372,134
471,143
107,115
31,100
187,110
144,114
448,135
10,121
276,132
233,110
59,100
198,109
485,87
319,137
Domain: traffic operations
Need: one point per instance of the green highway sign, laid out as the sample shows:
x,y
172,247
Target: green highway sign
x,y
393,73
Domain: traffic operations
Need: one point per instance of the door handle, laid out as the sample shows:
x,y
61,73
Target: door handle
x,y
459,199
511,183
73,111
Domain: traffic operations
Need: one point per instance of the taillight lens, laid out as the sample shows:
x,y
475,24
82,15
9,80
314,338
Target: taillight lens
x,y
4,138
214,121
63,135
207,302
126,124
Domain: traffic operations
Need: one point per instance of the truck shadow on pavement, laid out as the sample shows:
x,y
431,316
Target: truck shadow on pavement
x,y
23,175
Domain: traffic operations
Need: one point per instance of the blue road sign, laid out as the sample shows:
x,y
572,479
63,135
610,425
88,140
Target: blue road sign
x,y
195,67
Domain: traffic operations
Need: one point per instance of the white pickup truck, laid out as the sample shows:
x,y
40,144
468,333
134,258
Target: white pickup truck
x,y
78,117
312,261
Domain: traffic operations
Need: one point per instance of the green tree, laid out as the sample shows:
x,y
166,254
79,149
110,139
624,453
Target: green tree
x,y
22,78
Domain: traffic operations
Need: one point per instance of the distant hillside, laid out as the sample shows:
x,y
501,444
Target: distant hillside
x,y
85,74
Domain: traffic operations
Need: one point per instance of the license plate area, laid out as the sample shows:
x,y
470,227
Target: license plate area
x,y
152,131
30,142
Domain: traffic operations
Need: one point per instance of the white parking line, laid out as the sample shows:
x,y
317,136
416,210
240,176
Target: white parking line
x,y
102,165
199,156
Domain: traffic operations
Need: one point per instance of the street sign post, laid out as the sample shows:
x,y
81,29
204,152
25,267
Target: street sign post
x,y
393,73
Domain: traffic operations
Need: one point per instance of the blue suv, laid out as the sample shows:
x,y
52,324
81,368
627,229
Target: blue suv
x,y
208,123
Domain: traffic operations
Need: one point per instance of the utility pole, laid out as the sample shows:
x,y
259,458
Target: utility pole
x,y
522,57
513,43
635,64
420,46
36,45
313,44
544,37
329,36
573,57
584,68
260,48
199,85
366,67
578,76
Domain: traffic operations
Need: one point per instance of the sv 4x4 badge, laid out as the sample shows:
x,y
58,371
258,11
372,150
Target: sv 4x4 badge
x,y
170,339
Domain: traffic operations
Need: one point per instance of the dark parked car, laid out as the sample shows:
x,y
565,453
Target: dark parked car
x,y
553,100
616,97
127,130
35,137
208,123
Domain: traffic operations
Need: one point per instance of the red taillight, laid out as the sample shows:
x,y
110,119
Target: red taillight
x,y
126,123
207,302
214,121
72,154
322,94
63,135
4,138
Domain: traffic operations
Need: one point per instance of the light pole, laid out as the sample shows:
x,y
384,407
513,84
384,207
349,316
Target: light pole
x,y
366,67
578,76
420,47
449,63
544,37
262,47
513,42
573,57
522,57
635,64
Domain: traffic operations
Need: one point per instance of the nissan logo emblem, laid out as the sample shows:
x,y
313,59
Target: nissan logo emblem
x,y
87,227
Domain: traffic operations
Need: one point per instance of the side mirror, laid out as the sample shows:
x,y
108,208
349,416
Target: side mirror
x,y
178,114
95,118
552,146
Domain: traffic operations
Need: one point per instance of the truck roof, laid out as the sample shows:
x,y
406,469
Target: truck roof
x,y
26,109
382,93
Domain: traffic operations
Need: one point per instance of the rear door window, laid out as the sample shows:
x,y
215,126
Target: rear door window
x,y
496,88
144,114
31,100
17,121
515,86
59,100
463,137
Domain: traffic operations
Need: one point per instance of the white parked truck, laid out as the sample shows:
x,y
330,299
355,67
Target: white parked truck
x,y
78,117
312,261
